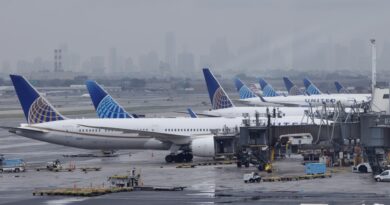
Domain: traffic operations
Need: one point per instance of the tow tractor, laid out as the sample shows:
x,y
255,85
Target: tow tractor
x,y
256,157
55,166
252,177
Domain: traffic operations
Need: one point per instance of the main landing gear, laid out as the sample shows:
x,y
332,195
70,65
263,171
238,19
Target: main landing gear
x,y
179,158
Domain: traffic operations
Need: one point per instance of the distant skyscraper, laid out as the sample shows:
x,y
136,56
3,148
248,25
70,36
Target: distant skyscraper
x,y
95,65
57,60
170,50
219,52
186,63
38,64
149,62
23,66
129,65
113,60
6,67
64,57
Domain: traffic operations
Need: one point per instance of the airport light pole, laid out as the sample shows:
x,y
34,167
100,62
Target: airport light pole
x,y
373,65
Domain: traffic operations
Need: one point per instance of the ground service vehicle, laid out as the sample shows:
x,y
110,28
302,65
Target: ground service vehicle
x,y
12,165
384,176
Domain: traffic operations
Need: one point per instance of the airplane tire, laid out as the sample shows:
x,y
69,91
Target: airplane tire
x,y
188,157
169,158
179,158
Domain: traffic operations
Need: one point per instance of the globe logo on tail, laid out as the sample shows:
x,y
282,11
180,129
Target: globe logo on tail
x,y
245,93
313,90
269,91
41,111
220,100
108,108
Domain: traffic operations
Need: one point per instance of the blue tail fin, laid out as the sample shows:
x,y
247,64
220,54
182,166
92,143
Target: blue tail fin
x,y
340,88
192,113
311,89
292,89
243,90
105,105
35,107
268,90
219,98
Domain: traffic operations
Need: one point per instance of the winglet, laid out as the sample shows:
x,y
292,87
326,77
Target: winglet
x,y
218,97
105,105
35,107
243,90
192,113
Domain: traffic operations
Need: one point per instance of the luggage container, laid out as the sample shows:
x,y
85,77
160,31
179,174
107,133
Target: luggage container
x,y
315,168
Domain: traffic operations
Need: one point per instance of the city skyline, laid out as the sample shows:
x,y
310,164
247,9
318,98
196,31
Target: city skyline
x,y
108,36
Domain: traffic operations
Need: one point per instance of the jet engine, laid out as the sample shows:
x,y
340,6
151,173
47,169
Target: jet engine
x,y
203,147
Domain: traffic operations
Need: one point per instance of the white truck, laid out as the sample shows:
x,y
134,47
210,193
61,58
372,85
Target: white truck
x,y
384,176
252,177
12,165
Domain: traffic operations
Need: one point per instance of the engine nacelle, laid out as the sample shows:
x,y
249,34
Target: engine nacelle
x,y
203,147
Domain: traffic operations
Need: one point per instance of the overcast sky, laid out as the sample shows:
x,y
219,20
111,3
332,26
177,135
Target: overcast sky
x,y
31,28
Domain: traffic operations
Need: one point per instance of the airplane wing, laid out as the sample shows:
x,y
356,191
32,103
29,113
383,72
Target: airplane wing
x,y
279,103
164,137
199,114
21,129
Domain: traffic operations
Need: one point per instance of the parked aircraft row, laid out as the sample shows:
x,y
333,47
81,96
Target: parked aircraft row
x,y
311,97
117,129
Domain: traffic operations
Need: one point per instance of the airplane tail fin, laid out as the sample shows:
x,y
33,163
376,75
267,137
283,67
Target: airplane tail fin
x,y
243,90
311,89
340,88
105,105
35,107
292,89
268,90
192,113
218,97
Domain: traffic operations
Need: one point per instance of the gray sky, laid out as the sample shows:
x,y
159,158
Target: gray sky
x,y
90,27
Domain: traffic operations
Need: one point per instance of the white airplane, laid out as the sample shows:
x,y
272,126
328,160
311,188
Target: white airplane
x,y
107,107
315,99
312,89
222,106
184,137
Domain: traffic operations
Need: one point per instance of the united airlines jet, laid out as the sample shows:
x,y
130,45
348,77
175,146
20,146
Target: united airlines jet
x,y
228,109
183,137
309,100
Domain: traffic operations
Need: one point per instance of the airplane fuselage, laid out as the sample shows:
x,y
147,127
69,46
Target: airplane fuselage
x,y
313,100
84,133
